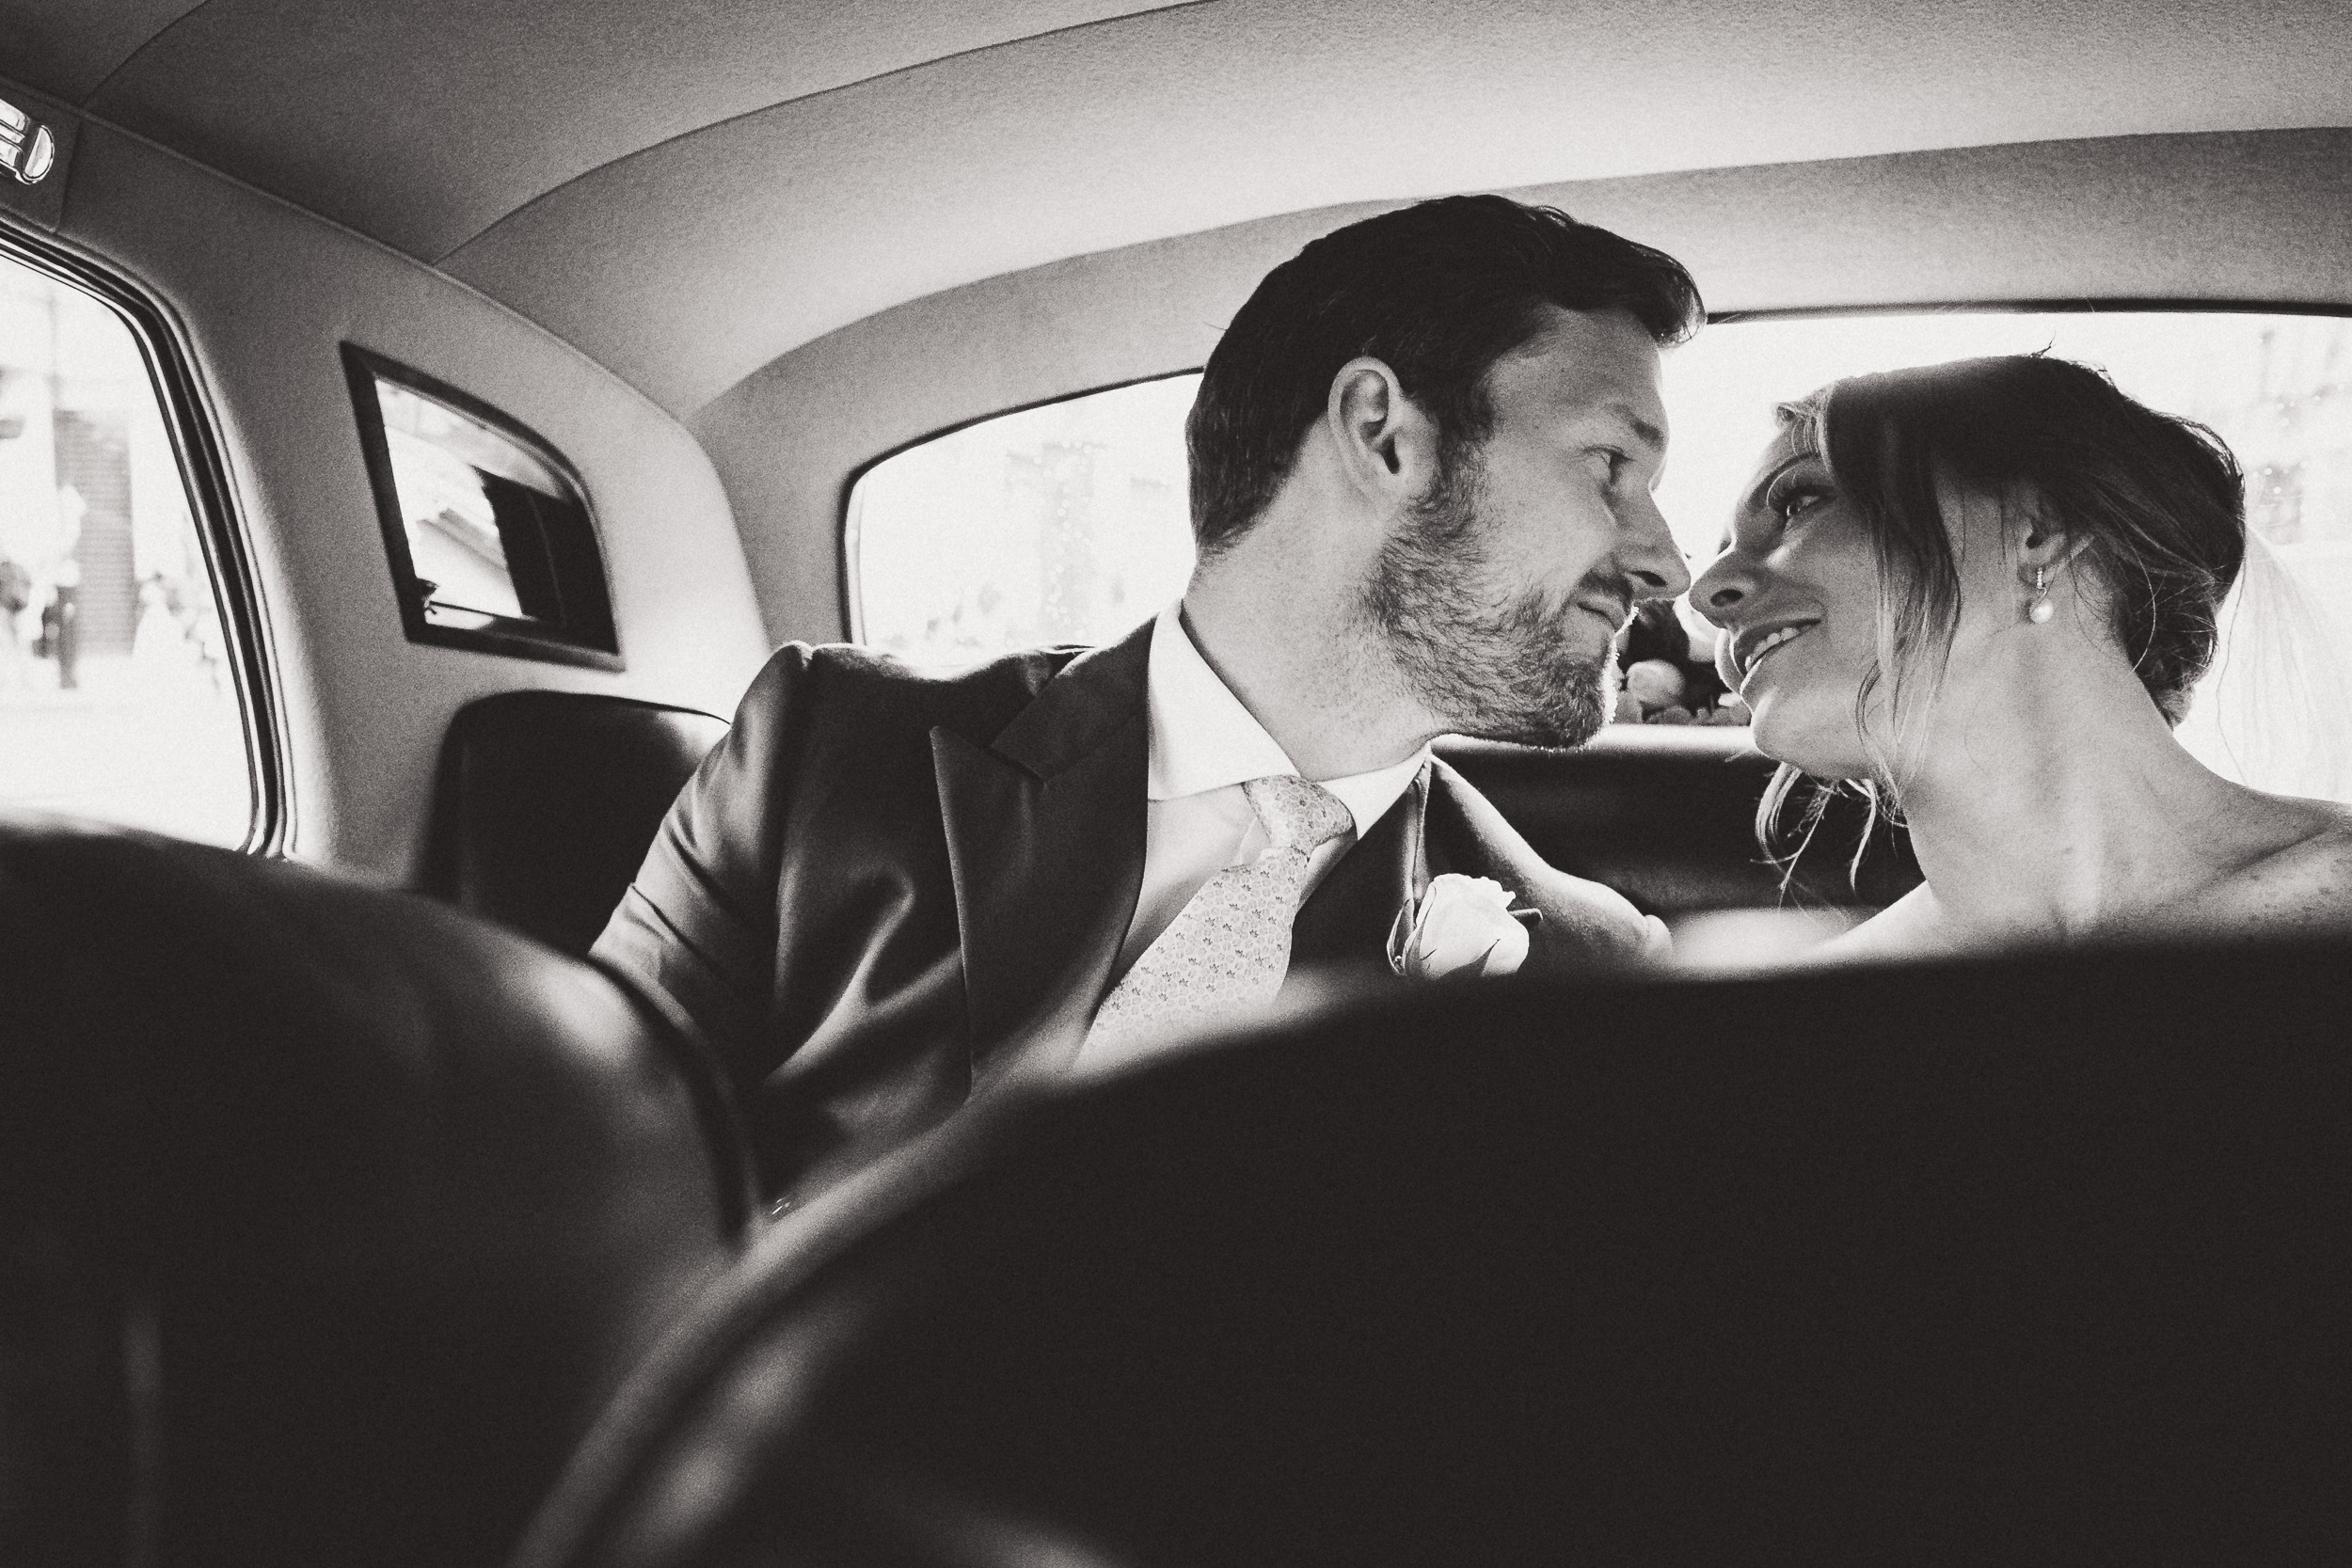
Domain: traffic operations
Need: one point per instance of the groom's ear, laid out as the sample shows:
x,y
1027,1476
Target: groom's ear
x,y
1387,445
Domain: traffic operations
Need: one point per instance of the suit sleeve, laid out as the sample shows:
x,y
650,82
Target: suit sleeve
x,y
1587,926
696,932
1591,926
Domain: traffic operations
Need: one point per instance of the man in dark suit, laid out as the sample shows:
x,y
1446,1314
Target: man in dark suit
x,y
1421,460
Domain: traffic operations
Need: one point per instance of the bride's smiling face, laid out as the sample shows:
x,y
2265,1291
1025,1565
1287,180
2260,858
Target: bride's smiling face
x,y
1797,591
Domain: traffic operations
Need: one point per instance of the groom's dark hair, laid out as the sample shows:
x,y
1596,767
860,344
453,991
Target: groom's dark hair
x,y
1437,291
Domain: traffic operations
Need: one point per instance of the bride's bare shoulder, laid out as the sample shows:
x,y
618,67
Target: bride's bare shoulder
x,y
1907,927
2304,885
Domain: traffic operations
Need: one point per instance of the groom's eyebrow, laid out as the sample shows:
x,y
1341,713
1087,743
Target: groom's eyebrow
x,y
1650,434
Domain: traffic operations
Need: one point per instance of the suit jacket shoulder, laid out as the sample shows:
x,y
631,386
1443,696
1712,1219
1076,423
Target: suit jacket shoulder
x,y
1584,924
819,729
843,687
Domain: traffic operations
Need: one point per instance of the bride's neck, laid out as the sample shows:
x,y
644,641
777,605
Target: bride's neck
x,y
2048,794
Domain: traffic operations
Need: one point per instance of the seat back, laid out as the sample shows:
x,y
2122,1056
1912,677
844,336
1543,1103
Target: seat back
x,y
547,803
328,1217
2019,1261
1667,817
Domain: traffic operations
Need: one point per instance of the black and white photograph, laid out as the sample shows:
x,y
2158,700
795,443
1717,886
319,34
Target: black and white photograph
x,y
1175,784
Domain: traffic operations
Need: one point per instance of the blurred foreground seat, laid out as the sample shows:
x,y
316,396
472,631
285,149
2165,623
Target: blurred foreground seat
x,y
328,1217
2002,1263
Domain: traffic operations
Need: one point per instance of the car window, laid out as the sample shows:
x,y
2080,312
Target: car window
x,y
117,686
1068,523
2277,388
1060,524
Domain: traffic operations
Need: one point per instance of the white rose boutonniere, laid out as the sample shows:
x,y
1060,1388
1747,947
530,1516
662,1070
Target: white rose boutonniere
x,y
1462,925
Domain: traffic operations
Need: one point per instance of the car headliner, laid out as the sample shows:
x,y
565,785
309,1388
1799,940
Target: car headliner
x,y
688,192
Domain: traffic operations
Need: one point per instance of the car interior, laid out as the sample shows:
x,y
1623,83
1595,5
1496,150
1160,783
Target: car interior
x,y
419,423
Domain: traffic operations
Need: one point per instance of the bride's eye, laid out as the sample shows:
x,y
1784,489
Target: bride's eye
x,y
1609,463
1790,500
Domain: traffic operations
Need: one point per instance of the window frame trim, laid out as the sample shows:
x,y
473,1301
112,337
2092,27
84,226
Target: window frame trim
x,y
362,369
193,428
2120,305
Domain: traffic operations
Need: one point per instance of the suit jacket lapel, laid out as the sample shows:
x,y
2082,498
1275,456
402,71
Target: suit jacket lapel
x,y
1346,919
1045,838
1440,825
1465,834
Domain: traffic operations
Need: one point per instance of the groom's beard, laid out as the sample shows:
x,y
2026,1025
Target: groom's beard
x,y
1496,665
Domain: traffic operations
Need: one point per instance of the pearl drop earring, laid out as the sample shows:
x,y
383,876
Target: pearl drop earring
x,y
2039,608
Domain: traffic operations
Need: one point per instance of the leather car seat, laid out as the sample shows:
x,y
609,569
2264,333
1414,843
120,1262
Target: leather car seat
x,y
1673,828
329,1217
2017,1261
547,803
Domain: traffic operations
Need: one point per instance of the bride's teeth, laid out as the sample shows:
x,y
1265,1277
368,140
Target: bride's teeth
x,y
1772,642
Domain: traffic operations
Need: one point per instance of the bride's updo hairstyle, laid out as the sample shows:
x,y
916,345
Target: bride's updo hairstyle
x,y
2159,500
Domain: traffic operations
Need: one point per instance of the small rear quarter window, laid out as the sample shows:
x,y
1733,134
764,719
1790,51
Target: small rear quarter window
x,y
487,529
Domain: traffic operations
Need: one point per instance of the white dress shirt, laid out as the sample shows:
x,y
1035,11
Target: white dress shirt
x,y
1204,746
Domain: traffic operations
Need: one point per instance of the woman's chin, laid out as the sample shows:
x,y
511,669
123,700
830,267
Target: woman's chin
x,y
1813,737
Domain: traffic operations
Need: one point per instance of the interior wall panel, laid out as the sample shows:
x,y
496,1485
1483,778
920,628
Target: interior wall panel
x,y
2254,216
266,293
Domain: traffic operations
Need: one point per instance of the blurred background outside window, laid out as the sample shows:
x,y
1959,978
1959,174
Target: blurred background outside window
x,y
1068,523
1061,524
116,699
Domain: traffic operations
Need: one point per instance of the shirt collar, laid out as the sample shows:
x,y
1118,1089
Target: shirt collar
x,y
1202,738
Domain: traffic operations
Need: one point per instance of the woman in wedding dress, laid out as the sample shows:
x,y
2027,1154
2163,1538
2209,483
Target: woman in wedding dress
x,y
1985,592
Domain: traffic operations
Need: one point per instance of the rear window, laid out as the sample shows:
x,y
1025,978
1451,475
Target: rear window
x,y
1068,523
1061,524
2277,388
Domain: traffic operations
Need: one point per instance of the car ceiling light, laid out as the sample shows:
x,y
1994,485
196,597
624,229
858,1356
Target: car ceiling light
x,y
26,148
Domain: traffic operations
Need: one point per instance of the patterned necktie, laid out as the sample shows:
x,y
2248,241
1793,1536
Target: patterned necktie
x,y
1229,948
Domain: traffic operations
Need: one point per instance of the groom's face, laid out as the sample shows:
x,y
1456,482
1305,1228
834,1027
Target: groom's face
x,y
1500,594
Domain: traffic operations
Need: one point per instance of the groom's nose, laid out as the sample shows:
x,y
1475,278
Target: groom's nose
x,y
1649,556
